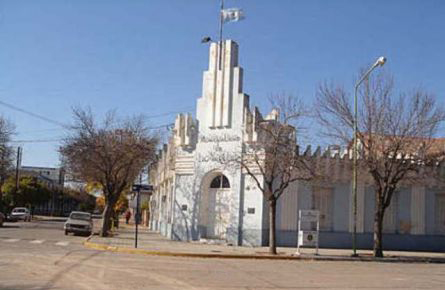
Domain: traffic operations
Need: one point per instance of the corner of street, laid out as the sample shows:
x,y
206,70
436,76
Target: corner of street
x,y
152,243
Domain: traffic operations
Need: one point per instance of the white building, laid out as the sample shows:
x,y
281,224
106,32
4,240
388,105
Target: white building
x,y
56,175
196,197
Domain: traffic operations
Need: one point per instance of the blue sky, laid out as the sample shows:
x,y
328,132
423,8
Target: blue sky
x,y
145,56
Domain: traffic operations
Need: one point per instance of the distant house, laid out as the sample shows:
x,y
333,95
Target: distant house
x,y
52,177
67,195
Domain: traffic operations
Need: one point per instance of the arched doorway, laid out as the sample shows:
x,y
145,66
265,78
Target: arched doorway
x,y
216,206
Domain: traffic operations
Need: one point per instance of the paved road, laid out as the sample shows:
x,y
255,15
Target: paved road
x,y
38,255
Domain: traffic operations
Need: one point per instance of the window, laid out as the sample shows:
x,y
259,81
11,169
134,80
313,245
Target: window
x,y
80,216
220,181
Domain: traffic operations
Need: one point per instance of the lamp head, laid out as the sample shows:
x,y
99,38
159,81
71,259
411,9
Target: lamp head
x,y
380,61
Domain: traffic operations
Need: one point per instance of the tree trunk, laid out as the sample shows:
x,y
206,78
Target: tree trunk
x,y
272,230
378,232
106,220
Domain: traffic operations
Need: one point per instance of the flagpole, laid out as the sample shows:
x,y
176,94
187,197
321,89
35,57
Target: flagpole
x,y
221,23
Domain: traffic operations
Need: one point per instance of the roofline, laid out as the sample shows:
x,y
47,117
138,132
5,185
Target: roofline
x,y
41,167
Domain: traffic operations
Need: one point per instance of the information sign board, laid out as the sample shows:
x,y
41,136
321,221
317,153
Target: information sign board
x,y
308,236
309,215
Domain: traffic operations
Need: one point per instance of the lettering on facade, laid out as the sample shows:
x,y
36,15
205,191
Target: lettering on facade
x,y
219,138
220,157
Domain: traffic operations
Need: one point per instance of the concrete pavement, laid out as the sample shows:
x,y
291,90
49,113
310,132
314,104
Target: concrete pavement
x,y
151,243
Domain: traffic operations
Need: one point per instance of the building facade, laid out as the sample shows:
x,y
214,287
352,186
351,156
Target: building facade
x,y
55,176
197,197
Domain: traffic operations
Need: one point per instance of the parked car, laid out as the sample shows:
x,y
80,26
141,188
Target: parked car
x,y
20,213
79,223
2,219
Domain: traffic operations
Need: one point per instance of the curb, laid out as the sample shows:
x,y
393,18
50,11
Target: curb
x,y
103,247
49,219
125,250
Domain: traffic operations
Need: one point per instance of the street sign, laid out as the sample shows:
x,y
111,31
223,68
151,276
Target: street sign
x,y
142,187
138,188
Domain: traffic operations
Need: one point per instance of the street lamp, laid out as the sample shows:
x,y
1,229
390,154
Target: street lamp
x,y
379,62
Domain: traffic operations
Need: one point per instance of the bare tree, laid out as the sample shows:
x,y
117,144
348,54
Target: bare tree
x,y
6,153
395,134
111,155
273,160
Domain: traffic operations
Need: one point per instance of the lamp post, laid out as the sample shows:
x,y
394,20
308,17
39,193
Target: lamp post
x,y
379,62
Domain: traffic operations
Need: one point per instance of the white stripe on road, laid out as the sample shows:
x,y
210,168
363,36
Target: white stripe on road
x,y
63,244
11,240
37,241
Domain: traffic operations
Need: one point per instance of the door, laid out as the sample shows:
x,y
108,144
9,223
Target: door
x,y
219,207
221,212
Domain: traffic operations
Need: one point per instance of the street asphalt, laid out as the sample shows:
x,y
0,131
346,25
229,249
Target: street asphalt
x,y
38,255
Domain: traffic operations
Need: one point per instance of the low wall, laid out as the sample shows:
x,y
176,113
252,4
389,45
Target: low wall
x,y
343,240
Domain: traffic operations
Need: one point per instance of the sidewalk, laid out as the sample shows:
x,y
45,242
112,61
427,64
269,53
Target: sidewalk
x,y
49,218
151,243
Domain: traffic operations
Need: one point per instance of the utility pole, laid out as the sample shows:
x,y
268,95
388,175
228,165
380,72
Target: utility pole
x,y
2,177
137,211
17,173
221,24
62,186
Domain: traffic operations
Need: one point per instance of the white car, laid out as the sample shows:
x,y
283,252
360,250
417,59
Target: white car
x,y
20,213
79,223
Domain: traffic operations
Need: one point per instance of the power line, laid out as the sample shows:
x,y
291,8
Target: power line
x,y
38,130
67,127
167,113
166,126
36,141
33,114
59,139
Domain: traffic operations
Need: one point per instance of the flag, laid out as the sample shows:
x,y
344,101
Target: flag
x,y
232,15
206,39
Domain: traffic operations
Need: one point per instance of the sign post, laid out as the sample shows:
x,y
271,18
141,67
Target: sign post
x,y
138,188
308,235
